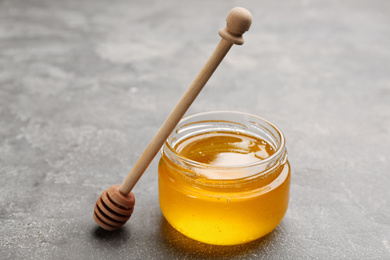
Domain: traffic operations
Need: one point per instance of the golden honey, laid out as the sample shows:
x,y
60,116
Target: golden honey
x,y
224,178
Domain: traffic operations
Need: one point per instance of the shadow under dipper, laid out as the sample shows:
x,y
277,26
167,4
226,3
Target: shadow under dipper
x,y
120,234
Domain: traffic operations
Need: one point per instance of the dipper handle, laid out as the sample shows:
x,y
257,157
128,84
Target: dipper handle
x,y
237,23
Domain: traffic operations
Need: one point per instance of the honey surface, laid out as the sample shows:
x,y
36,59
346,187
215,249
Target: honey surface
x,y
226,216
224,149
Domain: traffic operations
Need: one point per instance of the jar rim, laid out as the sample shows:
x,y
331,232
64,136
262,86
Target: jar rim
x,y
279,151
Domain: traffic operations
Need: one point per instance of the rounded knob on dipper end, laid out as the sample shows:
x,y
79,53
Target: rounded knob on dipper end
x,y
237,23
113,209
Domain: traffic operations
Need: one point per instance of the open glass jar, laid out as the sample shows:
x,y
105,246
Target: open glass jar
x,y
224,177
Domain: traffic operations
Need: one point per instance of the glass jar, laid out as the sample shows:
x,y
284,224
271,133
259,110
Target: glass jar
x,y
230,203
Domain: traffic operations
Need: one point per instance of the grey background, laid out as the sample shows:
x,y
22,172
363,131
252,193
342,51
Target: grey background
x,y
84,86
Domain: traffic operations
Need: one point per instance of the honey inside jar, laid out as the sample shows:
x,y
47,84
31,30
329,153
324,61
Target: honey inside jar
x,y
221,187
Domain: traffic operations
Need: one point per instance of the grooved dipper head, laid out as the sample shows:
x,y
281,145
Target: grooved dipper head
x,y
113,209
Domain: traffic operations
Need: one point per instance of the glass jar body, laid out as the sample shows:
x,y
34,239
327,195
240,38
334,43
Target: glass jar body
x,y
224,211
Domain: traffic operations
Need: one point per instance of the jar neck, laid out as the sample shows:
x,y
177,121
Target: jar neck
x,y
262,171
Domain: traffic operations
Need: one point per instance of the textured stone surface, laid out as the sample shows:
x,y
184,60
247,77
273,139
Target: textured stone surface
x,y
84,85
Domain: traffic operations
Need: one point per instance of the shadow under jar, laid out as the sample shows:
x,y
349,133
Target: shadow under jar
x,y
224,177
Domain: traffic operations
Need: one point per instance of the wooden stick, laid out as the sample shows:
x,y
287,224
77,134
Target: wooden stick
x,y
238,21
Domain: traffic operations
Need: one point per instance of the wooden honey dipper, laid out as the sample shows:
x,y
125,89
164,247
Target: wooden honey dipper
x,y
115,206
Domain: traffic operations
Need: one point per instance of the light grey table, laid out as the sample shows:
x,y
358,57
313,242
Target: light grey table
x,y
84,86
